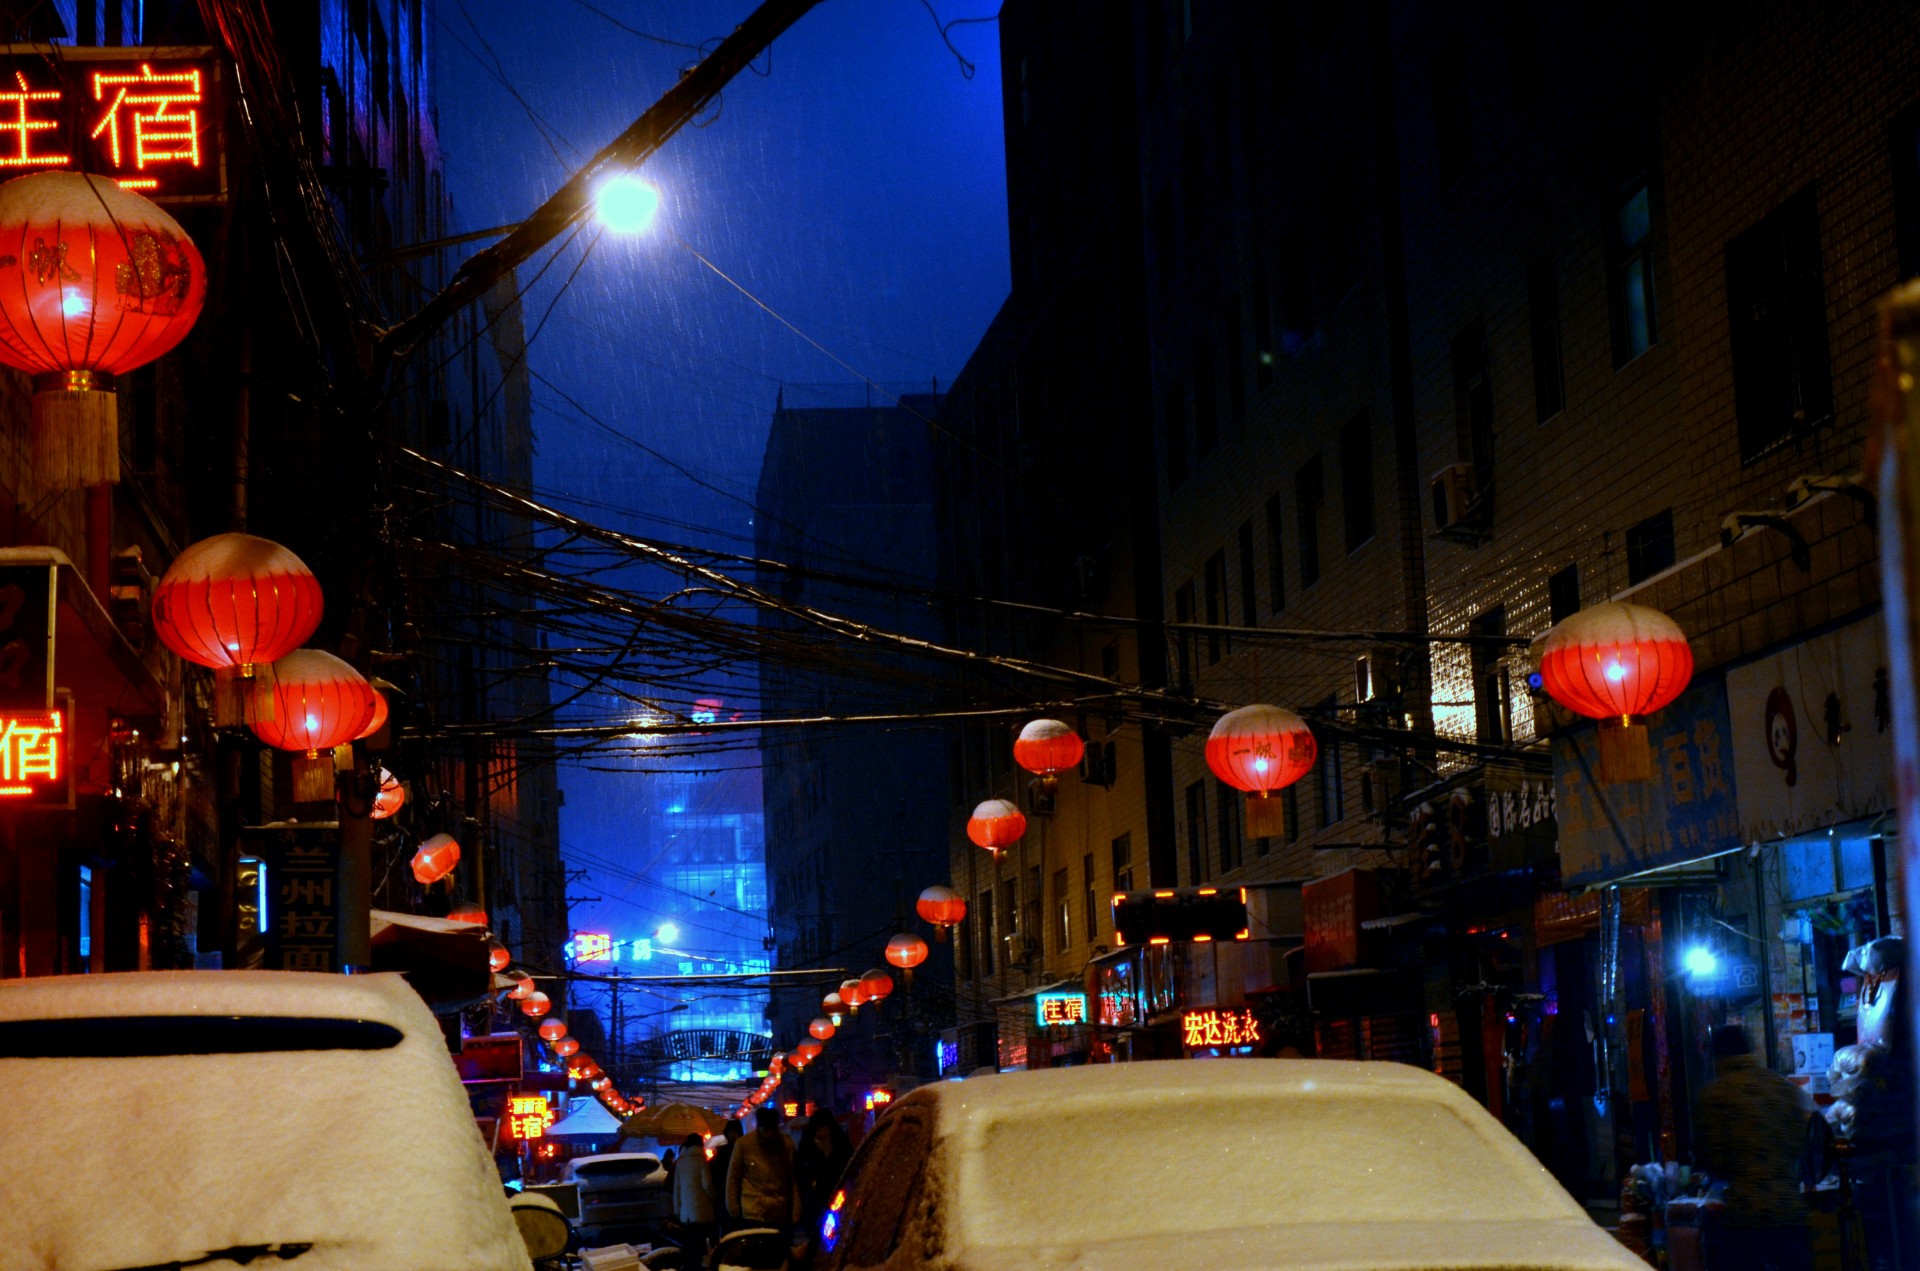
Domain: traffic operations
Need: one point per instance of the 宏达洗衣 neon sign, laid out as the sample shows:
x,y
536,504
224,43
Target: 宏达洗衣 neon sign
x,y
1200,1029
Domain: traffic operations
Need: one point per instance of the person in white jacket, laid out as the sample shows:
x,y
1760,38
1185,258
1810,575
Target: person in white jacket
x,y
694,1204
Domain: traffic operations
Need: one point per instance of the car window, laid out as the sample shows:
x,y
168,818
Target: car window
x,y
879,1192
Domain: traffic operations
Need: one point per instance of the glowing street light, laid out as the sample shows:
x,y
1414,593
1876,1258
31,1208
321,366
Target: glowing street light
x,y
667,933
626,204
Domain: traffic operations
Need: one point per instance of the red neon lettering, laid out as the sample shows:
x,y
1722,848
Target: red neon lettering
x,y
23,126
162,131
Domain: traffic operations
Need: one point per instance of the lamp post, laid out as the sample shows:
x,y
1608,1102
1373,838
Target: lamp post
x,y
623,203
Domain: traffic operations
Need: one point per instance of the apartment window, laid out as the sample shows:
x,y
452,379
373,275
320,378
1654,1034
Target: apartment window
x,y
1650,547
1490,679
1232,833
1063,912
1010,917
1777,310
1563,594
1249,603
1308,493
1543,320
1215,581
1197,871
1276,556
1333,784
1473,404
1452,111
1906,190
1206,404
1634,325
983,919
1296,295
1122,863
1231,335
1183,641
1174,423
1356,479
1089,898
1262,328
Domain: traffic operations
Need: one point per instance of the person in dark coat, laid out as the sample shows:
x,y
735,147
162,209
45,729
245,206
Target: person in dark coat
x,y
818,1164
723,1157
1750,1125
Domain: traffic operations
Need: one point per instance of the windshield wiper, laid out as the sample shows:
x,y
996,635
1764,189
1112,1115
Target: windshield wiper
x,y
242,1254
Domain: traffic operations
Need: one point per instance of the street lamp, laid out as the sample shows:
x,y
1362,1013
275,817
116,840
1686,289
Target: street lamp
x,y
625,204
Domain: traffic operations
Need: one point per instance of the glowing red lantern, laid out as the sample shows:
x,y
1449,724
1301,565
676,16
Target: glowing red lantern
x,y
319,702
943,907
835,1006
1047,748
600,1083
497,956
806,1052
906,951
233,602
566,1046
522,985
379,719
391,797
853,995
468,911
1259,750
97,281
434,859
1617,662
876,985
822,1028
535,1004
553,1030
995,824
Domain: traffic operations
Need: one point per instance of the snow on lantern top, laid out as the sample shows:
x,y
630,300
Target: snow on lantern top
x,y
1615,661
94,281
319,702
995,824
1047,746
941,906
235,600
1260,749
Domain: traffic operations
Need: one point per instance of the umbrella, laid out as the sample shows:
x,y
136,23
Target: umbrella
x,y
672,1122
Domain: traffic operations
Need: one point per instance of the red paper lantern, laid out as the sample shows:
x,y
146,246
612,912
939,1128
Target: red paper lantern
x,y
1047,747
391,797
943,907
96,282
522,985
468,911
599,1083
433,860
535,1004
379,719
1258,750
822,1028
834,1005
497,956
852,994
906,951
553,1030
1615,661
233,602
319,702
995,824
566,1046
876,984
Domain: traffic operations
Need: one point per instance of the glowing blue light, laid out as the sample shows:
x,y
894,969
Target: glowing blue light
x,y
1700,961
73,304
626,204
1616,672
667,933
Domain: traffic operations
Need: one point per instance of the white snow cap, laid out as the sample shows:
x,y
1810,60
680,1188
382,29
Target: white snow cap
x,y
1614,622
993,808
233,555
1044,730
371,1156
75,198
1253,721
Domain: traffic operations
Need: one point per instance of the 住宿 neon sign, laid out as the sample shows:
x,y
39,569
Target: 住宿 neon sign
x,y
30,753
1060,1008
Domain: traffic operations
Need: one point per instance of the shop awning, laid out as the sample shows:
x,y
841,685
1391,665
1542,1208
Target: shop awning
x,y
90,655
587,1121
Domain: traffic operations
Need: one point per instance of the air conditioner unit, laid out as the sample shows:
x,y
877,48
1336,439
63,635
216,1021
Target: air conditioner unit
x,y
1455,492
1018,951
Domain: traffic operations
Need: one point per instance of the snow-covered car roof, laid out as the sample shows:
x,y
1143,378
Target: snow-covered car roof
x,y
1243,1163
156,1117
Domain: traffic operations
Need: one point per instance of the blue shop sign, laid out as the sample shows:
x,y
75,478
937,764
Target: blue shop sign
x,y
1687,811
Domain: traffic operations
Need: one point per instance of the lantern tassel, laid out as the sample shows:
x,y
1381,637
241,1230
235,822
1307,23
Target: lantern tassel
x,y
939,935
242,695
75,431
313,778
1266,816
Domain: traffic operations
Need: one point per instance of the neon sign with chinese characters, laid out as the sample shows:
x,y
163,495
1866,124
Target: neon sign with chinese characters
x,y
1060,1008
591,946
30,758
147,117
528,1116
1200,1029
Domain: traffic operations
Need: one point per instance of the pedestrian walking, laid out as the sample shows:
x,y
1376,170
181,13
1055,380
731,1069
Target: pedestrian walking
x,y
717,1171
1750,1128
761,1191
818,1163
694,1201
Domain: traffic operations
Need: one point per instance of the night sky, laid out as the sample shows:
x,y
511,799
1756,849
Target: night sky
x,y
858,189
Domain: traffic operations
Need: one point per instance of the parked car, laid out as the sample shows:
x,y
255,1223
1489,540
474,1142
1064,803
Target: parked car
x,y
312,1122
1225,1164
619,1189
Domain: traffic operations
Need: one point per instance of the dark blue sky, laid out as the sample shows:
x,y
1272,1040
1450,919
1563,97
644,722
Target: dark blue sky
x,y
858,189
